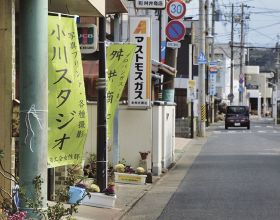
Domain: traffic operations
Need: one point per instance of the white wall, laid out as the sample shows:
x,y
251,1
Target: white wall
x,y
135,134
140,130
90,145
157,140
168,120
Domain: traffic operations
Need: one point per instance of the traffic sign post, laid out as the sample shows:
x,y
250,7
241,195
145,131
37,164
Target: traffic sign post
x,y
176,9
175,30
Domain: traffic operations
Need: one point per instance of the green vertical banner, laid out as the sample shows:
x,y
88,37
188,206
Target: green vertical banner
x,y
119,59
67,117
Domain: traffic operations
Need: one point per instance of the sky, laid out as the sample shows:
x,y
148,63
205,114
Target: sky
x,y
262,21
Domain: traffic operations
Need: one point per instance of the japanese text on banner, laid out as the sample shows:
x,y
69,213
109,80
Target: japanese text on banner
x,y
119,59
67,118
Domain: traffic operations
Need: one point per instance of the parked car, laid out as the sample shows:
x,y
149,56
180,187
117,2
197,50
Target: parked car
x,y
237,116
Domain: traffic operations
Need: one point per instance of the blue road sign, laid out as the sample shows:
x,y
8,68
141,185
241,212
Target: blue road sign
x,y
241,89
201,58
175,30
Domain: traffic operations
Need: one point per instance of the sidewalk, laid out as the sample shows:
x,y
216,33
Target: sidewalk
x,y
127,195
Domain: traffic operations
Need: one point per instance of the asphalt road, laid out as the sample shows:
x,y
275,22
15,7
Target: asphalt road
x,y
236,176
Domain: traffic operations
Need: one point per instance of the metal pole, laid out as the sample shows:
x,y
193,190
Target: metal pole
x,y
231,55
213,56
116,147
101,167
192,113
168,81
276,107
33,97
241,76
201,72
159,35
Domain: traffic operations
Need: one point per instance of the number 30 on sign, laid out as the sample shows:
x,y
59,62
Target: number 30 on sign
x,y
176,9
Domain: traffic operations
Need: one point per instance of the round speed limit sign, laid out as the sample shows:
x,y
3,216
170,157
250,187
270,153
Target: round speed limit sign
x,y
176,9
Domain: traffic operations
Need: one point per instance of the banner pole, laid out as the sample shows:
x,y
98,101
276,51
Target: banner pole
x,y
101,169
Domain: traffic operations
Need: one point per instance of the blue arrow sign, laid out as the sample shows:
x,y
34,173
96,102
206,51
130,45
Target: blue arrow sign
x,y
201,58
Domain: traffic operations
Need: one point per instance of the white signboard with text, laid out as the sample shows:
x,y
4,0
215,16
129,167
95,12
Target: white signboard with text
x,y
212,84
88,38
150,4
139,85
191,93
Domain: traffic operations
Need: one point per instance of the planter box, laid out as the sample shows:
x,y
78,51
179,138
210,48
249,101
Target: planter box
x,y
130,178
100,200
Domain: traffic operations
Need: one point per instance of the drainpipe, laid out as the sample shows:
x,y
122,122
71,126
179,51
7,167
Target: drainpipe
x,y
33,97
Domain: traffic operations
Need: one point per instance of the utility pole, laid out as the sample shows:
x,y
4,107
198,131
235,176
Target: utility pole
x,y
207,54
241,76
231,55
101,163
213,56
7,86
277,65
201,72
33,99
213,27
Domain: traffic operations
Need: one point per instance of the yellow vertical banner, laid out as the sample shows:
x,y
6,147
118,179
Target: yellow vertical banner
x,y
119,59
67,109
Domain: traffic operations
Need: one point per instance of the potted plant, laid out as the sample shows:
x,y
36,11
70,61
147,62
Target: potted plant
x,y
106,199
126,174
144,154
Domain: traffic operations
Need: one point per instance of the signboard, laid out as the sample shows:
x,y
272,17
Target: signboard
x,y
191,94
175,30
150,4
213,67
172,44
88,38
201,58
119,57
176,9
67,106
212,84
163,51
139,86
241,89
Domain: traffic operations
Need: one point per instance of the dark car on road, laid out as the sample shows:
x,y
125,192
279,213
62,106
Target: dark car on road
x,y
237,116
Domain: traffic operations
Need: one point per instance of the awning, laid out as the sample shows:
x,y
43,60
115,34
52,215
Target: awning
x,y
115,7
94,8
163,68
